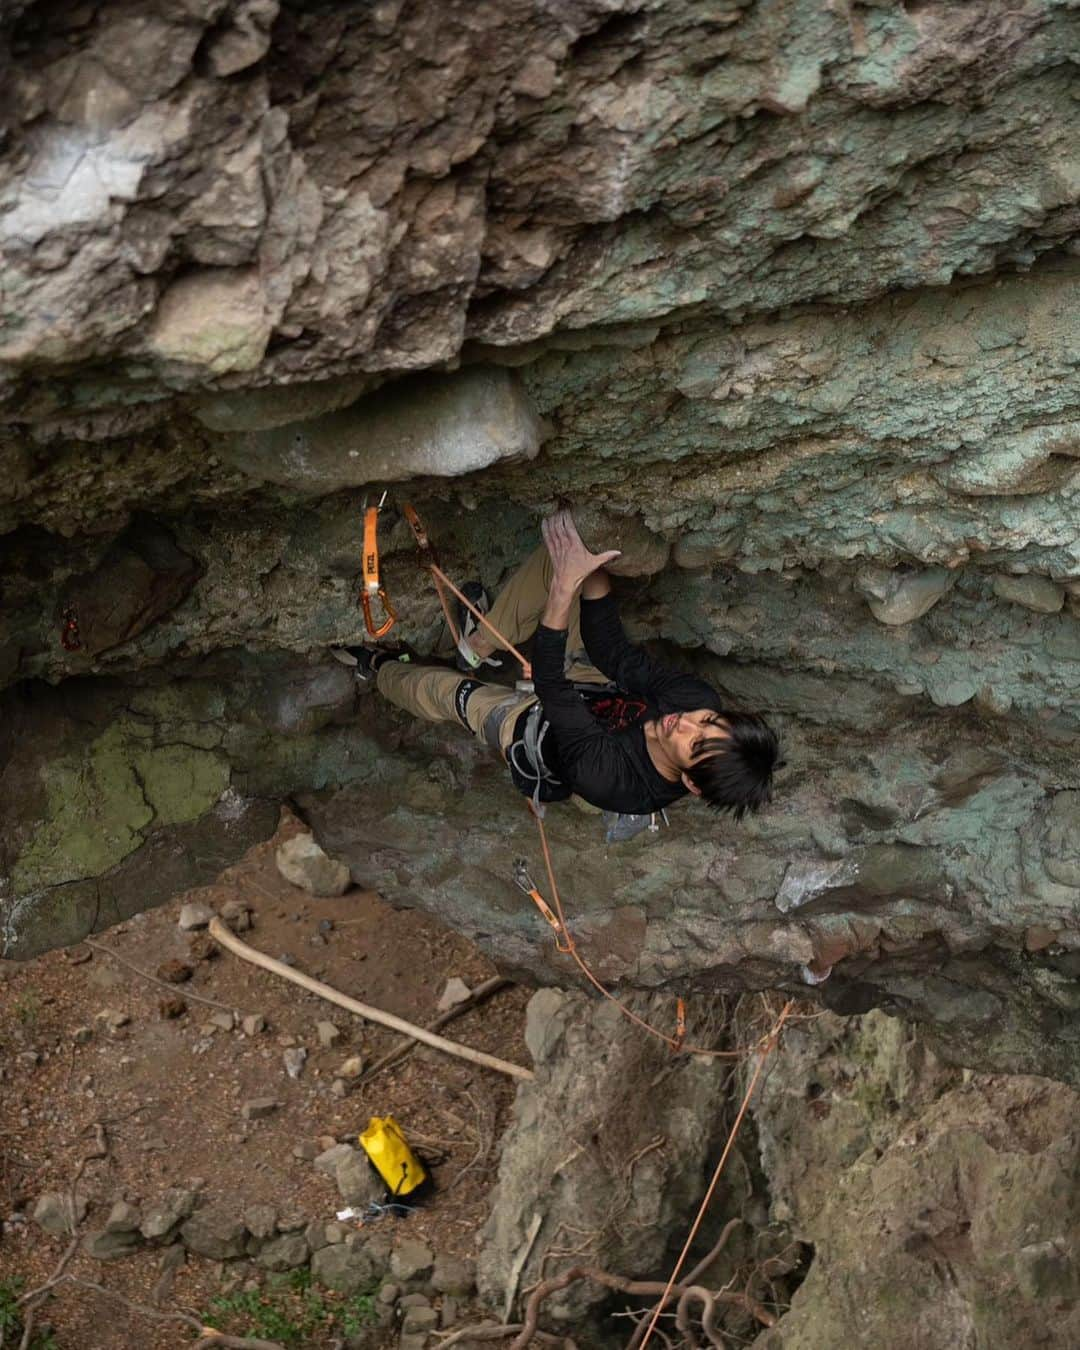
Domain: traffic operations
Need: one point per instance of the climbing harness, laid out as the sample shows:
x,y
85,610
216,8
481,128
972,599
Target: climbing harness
x,y
526,757
372,584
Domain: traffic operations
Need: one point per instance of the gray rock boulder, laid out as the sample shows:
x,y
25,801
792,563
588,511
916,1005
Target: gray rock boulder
x,y
428,425
287,1252
303,863
55,1213
215,1232
160,1219
549,1170
346,1269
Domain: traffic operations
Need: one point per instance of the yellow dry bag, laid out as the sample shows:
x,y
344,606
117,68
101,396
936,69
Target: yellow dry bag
x,y
392,1157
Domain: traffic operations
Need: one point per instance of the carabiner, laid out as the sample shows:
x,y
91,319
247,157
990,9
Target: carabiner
x,y
523,880
369,622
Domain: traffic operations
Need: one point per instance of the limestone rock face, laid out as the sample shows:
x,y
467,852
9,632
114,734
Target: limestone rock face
x,y
553,1171
919,1192
781,296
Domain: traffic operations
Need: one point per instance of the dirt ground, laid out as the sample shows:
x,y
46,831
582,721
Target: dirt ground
x,y
169,1090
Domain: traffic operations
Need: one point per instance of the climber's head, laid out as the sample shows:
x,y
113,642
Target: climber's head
x,y
726,758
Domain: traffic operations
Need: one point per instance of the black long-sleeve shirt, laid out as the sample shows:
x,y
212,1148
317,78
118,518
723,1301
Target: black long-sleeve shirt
x,y
609,765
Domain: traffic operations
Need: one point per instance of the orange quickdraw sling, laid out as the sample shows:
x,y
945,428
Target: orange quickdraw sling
x,y
371,583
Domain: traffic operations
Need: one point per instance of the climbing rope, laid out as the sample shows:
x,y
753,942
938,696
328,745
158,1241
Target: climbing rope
x,y
442,583
766,1046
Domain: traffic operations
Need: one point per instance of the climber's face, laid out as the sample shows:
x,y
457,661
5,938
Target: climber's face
x,y
683,736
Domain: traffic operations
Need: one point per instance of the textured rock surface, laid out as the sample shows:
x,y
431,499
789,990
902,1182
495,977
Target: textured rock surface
x,y
785,291
942,1212
565,1159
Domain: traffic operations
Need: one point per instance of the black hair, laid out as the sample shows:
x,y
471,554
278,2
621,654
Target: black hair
x,y
735,773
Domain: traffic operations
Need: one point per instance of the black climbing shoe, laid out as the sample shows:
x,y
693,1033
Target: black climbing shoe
x,y
467,660
365,661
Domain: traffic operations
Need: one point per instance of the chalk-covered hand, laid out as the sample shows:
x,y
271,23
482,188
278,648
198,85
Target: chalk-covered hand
x,y
570,559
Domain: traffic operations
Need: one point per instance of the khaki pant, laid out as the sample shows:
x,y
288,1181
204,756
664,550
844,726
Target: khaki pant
x,y
429,692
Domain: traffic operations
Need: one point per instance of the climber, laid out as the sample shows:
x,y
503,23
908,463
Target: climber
x,y
605,721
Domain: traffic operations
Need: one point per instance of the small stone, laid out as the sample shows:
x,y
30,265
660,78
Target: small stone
x,y
327,1161
326,926
194,915
214,1232
202,947
1032,591
123,1218
448,1311
351,1068
236,915
287,958
294,1061
303,863
419,1320
175,972
411,1260
81,1035
328,1033
389,1293
105,1246
159,1220
454,1275
77,956
897,598
357,1181
173,1006
456,991
225,1021
339,1088
286,1252
53,1212
258,1108
253,1024
326,1141
112,1019
306,1150
348,1270
407,1301
335,1232
261,1221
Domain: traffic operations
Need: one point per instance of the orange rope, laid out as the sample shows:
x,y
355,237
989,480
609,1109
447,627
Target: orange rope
x,y
674,1043
441,579
766,1047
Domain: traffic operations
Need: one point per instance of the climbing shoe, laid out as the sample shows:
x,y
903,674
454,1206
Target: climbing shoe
x,y
365,661
467,659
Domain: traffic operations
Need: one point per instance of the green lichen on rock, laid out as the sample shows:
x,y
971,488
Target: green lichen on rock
x,y
101,801
95,813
